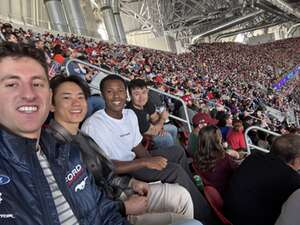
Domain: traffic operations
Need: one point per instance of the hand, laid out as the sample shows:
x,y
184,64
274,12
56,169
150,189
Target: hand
x,y
233,153
136,205
162,132
142,188
164,115
156,163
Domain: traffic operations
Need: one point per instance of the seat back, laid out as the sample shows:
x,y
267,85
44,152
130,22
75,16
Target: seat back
x,y
216,202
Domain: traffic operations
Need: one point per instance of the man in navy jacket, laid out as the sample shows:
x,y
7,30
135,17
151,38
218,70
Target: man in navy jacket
x,y
35,170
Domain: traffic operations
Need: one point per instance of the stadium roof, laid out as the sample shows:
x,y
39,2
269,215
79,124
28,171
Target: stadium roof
x,y
194,19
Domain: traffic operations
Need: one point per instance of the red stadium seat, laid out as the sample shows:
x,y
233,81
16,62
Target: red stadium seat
x,y
216,202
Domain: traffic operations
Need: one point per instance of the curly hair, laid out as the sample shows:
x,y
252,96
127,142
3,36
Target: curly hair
x,y
20,50
210,148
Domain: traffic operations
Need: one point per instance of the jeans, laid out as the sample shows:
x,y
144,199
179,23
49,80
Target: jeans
x,y
187,222
168,139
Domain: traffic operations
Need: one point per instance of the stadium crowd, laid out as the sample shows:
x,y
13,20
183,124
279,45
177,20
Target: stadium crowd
x,y
227,88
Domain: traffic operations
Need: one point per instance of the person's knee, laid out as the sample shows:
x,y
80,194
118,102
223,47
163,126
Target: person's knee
x,y
165,140
170,128
182,198
185,196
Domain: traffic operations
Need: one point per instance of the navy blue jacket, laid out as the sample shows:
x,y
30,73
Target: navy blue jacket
x,y
25,196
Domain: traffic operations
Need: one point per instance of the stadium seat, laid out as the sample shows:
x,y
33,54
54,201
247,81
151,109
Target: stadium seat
x,y
216,202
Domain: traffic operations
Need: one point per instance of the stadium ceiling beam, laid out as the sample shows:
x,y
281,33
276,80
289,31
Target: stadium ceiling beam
x,y
285,7
228,25
204,21
147,13
262,5
244,30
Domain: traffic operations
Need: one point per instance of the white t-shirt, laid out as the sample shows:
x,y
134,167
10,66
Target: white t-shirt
x,y
117,137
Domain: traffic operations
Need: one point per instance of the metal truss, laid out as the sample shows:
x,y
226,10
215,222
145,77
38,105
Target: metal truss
x,y
147,12
187,18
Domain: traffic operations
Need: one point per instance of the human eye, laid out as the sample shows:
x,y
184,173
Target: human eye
x,y
108,91
11,84
38,84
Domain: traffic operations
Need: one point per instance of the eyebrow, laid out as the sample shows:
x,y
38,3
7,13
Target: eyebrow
x,y
9,77
69,93
16,77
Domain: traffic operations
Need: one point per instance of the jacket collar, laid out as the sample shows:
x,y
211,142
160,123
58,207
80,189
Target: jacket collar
x,y
15,147
18,149
59,132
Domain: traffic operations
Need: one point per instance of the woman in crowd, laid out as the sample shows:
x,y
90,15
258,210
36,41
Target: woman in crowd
x,y
214,164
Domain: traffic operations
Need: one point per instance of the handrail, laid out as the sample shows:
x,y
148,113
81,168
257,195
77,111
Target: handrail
x,y
249,145
213,103
127,79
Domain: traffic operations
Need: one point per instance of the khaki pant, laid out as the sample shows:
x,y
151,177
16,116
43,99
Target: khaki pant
x,y
167,204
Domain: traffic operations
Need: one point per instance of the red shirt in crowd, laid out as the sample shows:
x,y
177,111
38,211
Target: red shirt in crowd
x,y
236,140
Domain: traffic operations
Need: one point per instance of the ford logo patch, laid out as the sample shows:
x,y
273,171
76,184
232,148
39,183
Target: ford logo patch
x,y
4,179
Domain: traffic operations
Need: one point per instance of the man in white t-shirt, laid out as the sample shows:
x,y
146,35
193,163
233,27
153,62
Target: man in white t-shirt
x,y
116,131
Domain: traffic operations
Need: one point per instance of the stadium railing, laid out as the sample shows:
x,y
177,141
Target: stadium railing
x,y
107,72
249,144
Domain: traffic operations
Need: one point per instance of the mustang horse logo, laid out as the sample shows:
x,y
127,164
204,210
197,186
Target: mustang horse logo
x,y
81,185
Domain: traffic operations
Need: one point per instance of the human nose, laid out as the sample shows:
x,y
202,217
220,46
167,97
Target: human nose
x,y
28,92
116,94
75,102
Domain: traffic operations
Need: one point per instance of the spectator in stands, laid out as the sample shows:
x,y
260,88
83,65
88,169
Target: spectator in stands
x,y
151,122
263,140
116,131
235,137
240,76
214,164
200,120
167,203
58,54
191,110
290,210
42,181
224,123
263,182
11,37
76,68
40,45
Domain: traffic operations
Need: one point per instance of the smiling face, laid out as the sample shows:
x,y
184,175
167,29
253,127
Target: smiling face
x,y
70,105
139,97
24,95
114,94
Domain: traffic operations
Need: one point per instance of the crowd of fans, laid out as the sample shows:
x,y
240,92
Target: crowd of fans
x,y
221,68
226,86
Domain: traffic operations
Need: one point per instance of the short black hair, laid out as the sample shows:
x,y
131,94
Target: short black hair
x,y
20,50
111,77
58,80
137,83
